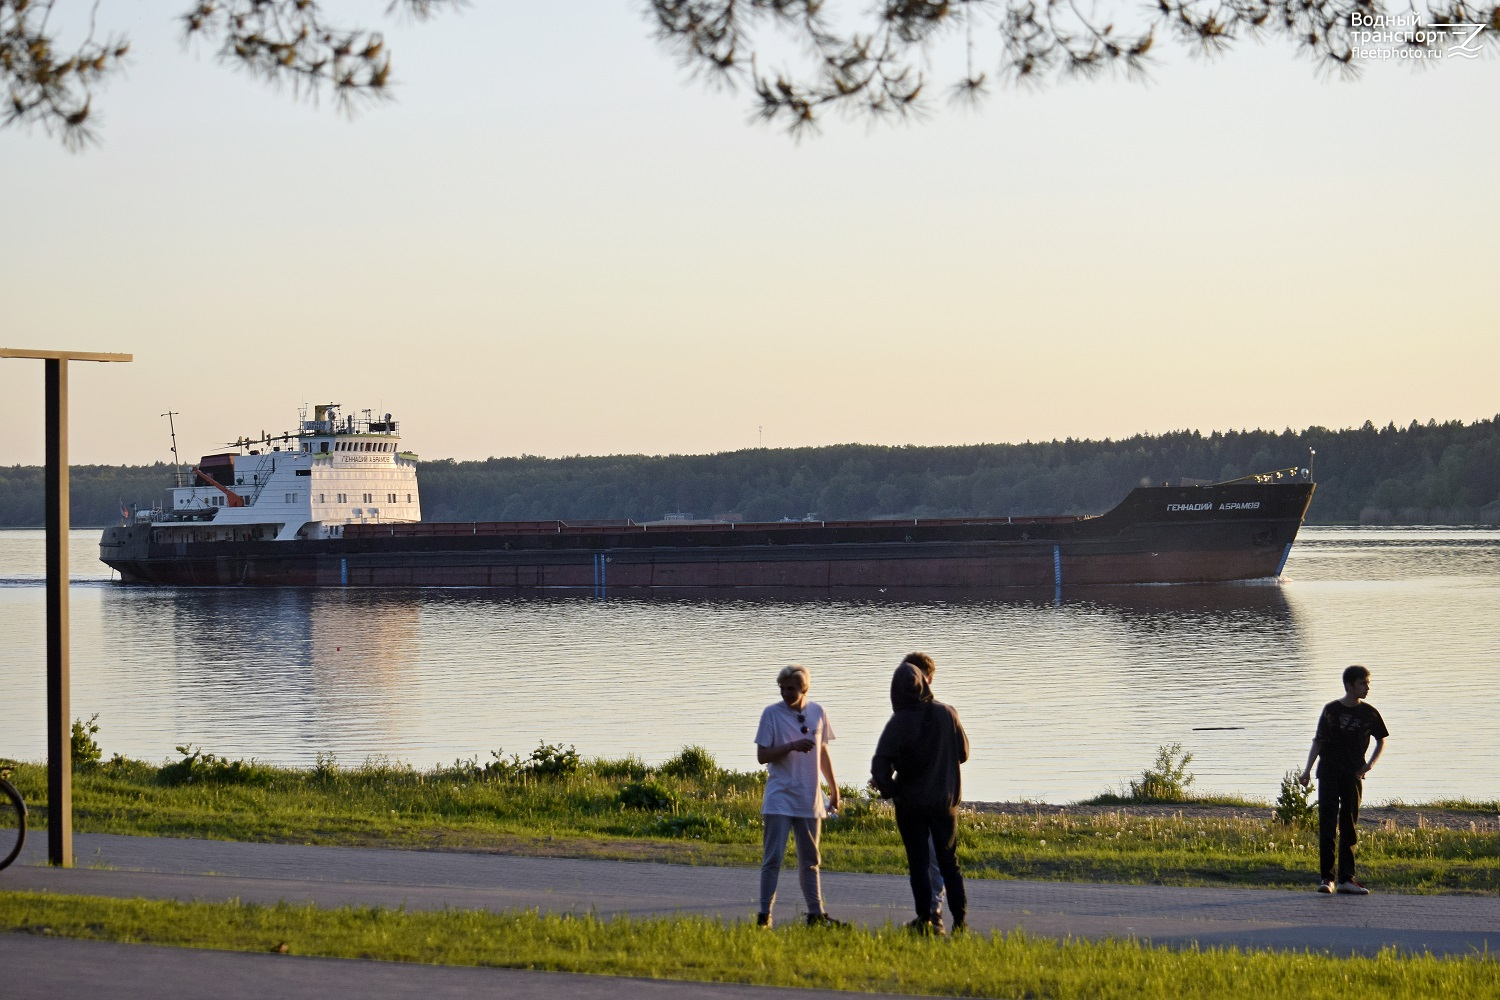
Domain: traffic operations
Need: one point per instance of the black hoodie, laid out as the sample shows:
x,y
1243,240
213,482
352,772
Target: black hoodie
x,y
923,744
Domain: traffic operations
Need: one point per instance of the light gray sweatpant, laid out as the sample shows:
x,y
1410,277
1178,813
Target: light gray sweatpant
x,y
807,830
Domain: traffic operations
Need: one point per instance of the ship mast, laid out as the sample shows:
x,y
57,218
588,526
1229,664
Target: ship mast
x,y
173,428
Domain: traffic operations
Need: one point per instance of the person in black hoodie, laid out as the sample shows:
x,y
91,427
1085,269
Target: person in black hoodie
x,y
916,764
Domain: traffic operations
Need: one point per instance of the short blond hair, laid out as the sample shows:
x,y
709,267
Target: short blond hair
x,y
922,662
795,670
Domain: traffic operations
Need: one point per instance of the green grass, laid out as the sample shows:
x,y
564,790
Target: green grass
x,y
714,819
887,960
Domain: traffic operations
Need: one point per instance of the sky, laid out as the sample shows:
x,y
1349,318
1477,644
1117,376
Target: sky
x,y
554,243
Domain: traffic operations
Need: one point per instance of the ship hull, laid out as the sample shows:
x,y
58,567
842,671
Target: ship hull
x,y
1206,534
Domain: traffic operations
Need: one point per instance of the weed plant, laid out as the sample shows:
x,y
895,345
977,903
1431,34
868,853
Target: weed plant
x,y
86,751
889,960
1167,780
1292,806
691,762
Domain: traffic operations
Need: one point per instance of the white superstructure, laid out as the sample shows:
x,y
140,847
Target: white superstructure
x,y
332,471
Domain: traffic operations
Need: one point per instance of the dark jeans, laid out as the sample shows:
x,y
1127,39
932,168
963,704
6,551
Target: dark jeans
x,y
942,827
1338,810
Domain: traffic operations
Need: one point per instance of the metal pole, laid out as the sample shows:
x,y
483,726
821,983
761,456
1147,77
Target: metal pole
x,y
59,734
59,710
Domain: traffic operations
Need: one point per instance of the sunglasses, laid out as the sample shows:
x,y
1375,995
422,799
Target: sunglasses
x,y
802,721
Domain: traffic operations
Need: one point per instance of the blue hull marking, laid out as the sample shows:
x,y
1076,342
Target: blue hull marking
x,y
1284,553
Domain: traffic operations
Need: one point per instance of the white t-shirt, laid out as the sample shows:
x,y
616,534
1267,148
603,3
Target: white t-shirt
x,y
792,784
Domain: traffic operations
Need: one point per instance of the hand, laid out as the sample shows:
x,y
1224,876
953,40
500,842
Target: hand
x,y
804,744
1365,770
1306,778
833,800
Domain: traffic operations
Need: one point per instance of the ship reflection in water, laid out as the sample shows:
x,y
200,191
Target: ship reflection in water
x,y
305,669
1062,699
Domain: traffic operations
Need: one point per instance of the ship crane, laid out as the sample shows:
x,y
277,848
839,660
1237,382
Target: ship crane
x,y
232,498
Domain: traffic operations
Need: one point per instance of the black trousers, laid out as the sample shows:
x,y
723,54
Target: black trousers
x,y
916,826
1338,810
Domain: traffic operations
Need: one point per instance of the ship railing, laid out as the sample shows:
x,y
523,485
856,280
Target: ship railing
x,y
449,529
1292,475
259,478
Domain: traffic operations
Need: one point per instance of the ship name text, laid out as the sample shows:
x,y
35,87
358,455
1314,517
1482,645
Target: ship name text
x,y
1251,505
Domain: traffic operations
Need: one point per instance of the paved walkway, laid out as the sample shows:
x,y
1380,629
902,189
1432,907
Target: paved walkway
x,y
332,876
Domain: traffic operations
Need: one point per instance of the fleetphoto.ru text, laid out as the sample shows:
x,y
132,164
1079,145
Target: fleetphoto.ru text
x,y
1404,36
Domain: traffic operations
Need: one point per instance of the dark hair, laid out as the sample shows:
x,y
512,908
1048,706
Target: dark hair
x,y
1355,673
922,662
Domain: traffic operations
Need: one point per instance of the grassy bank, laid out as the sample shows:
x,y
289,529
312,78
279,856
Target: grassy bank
x,y
890,960
688,811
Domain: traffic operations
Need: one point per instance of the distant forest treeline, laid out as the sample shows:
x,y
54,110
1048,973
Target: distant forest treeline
x,y
1419,474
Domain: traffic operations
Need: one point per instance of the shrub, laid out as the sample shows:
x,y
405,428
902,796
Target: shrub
x,y
859,808
550,760
1292,806
630,766
199,767
86,750
1167,779
648,795
691,825
121,767
691,762
326,769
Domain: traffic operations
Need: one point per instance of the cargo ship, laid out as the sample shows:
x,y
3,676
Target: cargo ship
x,y
336,504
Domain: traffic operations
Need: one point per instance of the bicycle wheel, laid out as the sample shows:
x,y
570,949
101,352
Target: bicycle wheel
x,y
12,823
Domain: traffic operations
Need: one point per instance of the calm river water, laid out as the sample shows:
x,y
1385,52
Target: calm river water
x,y
1061,701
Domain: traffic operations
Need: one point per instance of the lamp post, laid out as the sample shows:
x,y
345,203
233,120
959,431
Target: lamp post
x,y
59,736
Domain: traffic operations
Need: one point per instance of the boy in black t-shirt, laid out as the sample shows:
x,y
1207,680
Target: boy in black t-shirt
x,y
1344,732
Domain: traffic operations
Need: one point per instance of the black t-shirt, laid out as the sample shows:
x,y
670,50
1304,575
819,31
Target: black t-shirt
x,y
1345,734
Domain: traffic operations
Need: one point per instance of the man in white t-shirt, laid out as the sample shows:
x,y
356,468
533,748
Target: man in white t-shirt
x,y
792,742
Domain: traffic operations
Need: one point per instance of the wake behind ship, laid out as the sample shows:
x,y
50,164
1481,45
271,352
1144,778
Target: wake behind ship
x,y
336,504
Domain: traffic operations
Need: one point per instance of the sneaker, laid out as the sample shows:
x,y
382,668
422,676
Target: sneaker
x,y
1349,887
763,920
823,920
921,926
1326,886
961,927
